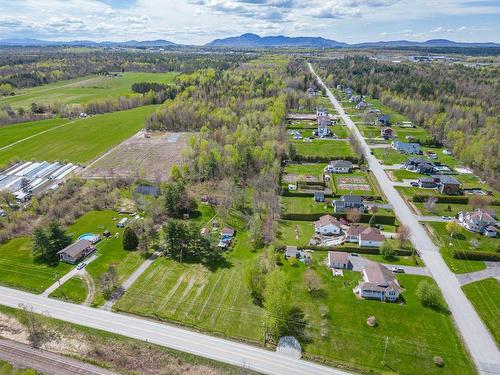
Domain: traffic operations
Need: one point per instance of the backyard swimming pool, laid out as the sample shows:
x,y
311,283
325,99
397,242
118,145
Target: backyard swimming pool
x,y
93,238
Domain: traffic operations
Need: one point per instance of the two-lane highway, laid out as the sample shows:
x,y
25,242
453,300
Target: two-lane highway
x,y
477,338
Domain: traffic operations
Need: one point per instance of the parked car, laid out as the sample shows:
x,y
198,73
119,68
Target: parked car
x,y
414,184
354,254
81,265
398,270
446,217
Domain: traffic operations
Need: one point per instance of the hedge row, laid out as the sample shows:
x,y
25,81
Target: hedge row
x,y
365,218
286,193
476,255
324,159
353,249
460,199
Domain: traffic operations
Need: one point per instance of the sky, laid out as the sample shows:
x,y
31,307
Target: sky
x,y
200,21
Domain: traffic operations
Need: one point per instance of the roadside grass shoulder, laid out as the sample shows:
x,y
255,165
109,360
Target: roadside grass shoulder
x,y
340,334
485,296
74,290
19,270
80,141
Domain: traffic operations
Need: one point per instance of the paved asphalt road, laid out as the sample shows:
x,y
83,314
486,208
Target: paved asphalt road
x,y
476,336
492,270
221,350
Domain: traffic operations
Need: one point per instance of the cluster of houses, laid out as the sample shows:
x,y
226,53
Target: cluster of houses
x,y
445,184
324,123
478,221
364,236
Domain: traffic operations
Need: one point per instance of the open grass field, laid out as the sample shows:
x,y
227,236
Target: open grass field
x,y
109,251
463,243
485,296
74,290
389,156
343,337
84,89
18,270
79,141
305,169
305,205
15,132
294,233
214,300
401,133
441,209
324,149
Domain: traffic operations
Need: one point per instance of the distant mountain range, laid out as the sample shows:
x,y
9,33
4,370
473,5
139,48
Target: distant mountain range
x,y
253,41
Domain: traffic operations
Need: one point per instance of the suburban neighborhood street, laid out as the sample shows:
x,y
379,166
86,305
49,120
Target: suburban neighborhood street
x,y
232,352
477,338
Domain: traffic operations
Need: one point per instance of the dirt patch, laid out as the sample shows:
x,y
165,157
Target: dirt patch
x,y
91,290
351,180
289,178
354,187
147,156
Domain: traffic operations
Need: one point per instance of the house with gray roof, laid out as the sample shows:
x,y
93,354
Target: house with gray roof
x,y
76,251
406,148
378,283
347,202
339,166
448,185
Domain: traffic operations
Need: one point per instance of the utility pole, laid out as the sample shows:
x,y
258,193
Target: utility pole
x,y
385,350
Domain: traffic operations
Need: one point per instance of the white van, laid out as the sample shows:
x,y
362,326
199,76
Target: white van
x,y
122,222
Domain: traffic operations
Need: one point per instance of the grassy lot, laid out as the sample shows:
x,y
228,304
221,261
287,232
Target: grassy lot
x,y
18,270
81,140
305,169
300,125
110,250
403,174
212,299
485,296
442,209
395,116
287,235
369,131
324,149
389,156
396,260
418,133
343,337
74,290
448,244
305,205
84,89
15,132
338,190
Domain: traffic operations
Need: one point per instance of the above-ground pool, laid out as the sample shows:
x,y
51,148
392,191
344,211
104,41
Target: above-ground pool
x,y
93,238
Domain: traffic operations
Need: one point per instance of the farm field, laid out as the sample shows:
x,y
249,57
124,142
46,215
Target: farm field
x,y
109,250
18,269
74,290
324,149
15,132
214,300
343,337
80,141
462,242
485,295
84,89
146,158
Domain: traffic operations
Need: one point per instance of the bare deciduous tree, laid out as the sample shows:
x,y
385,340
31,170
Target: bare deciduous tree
x,y
353,215
403,234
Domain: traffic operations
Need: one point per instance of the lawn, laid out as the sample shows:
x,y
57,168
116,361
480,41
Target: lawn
x,y
344,338
485,296
396,260
395,116
294,233
305,169
18,270
305,205
369,131
418,133
463,243
212,299
389,156
403,174
441,209
109,250
324,149
74,290
15,132
79,141
85,89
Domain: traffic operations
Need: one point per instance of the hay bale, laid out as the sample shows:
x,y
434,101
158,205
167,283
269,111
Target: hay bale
x,y
438,361
371,321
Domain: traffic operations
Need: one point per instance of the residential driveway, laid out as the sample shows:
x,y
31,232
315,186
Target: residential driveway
x,y
433,218
492,270
358,262
380,145
386,206
69,275
393,166
477,337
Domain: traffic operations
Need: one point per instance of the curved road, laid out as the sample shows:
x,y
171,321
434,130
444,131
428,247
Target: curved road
x,y
476,336
221,350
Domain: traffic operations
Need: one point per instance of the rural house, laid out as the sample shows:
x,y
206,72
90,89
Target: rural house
x,y
338,259
420,165
327,225
378,283
76,251
364,236
427,183
448,185
227,233
406,148
384,120
293,252
348,201
386,133
319,196
362,105
339,166
477,221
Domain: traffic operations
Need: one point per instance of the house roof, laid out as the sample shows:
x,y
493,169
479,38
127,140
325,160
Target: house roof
x,y
352,199
319,194
425,179
227,231
354,230
419,161
338,257
341,164
481,216
371,234
291,250
76,248
327,220
378,274
448,180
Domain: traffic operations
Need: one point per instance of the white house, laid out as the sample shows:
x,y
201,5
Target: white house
x,y
338,259
476,221
364,236
339,166
378,283
327,225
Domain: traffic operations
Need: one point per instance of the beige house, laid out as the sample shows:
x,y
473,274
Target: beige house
x,y
338,259
378,283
